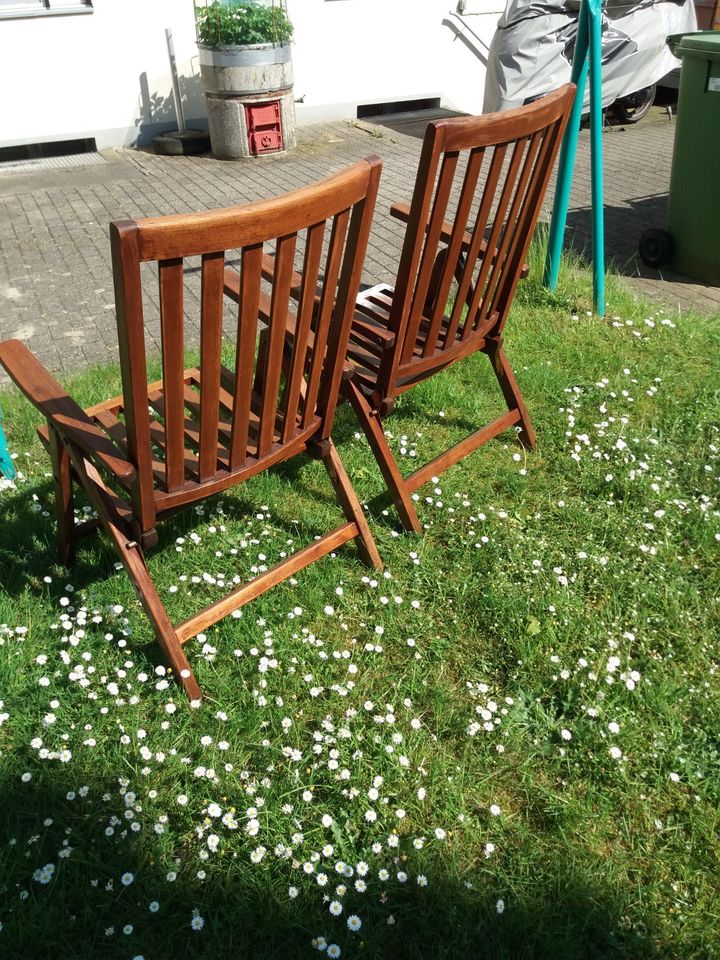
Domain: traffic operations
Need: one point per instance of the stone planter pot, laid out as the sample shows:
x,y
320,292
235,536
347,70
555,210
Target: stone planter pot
x,y
249,96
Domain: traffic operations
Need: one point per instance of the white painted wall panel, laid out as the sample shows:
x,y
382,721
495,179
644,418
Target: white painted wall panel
x,y
349,52
106,74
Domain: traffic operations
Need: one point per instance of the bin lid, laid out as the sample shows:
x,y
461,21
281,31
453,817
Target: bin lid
x,y
704,44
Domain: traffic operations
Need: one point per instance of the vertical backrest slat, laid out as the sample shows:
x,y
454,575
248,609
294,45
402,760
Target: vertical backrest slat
x,y
536,191
124,243
450,257
325,310
213,265
173,362
430,155
248,312
358,236
414,234
273,354
466,290
298,361
427,261
506,195
501,260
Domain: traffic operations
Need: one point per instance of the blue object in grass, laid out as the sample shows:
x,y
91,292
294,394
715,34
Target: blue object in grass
x,y
7,467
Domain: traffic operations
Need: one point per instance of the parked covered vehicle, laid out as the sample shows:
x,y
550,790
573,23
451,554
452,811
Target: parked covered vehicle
x,y
532,50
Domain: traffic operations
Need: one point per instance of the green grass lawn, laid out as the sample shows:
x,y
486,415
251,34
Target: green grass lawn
x,y
505,746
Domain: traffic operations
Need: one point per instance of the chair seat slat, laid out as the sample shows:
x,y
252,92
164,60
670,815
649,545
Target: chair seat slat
x,y
194,490
227,388
367,355
118,431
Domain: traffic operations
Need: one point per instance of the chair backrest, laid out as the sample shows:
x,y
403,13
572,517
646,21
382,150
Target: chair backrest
x,y
455,215
201,430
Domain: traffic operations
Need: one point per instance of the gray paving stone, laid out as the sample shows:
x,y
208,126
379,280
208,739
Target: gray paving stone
x,y
56,289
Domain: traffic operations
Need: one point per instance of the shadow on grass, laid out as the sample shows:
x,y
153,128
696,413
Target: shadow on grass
x,y
28,536
28,526
247,911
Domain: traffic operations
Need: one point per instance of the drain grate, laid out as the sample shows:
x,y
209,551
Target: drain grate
x,y
48,163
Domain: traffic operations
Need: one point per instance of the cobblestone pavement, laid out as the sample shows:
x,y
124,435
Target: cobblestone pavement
x,y
55,279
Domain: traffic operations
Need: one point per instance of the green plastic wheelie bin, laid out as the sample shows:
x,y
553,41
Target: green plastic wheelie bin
x,y
691,242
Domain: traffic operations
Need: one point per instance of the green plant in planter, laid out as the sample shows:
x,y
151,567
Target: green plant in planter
x,y
241,22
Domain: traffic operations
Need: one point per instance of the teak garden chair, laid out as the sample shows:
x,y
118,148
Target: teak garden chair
x,y
461,260
159,447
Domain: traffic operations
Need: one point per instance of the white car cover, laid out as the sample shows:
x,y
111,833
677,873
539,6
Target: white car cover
x,y
531,52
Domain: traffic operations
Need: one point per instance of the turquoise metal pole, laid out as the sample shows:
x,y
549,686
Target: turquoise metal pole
x,y
596,155
568,151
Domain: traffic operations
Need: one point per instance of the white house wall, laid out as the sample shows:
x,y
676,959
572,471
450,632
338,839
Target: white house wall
x,y
106,74
350,52
102,75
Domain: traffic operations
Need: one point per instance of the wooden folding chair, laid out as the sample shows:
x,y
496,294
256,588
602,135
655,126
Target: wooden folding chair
x,y
461,260
160,447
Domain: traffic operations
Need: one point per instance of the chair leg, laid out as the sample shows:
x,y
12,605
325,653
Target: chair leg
x,y
350,504
511,392
62,475
132,558
372,428
134,562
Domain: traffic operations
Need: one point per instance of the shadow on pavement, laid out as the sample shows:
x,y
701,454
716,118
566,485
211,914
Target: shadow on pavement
x,y
623,228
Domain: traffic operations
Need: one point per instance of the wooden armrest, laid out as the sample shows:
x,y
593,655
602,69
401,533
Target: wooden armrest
x,y
369,331
401,211
231,289
61,411
232,278
231,286
268,272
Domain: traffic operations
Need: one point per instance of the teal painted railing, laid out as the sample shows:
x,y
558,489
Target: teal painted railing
x,y
587,59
